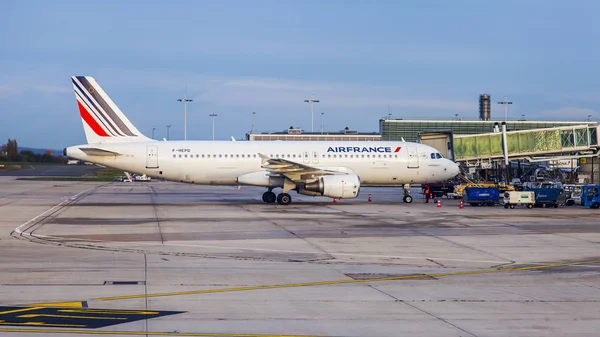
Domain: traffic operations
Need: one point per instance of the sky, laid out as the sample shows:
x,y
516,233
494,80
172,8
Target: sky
x,y
361,59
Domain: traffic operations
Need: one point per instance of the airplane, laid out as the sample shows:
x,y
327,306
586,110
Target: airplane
x,y
318,168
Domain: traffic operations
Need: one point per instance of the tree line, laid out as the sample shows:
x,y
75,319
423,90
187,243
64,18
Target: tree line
x,y
10,152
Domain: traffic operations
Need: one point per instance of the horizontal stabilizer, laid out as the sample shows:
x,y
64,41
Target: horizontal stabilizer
x,y
90,151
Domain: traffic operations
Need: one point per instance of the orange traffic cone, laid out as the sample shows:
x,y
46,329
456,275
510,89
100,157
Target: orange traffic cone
x,y
461,205
370,199
439,204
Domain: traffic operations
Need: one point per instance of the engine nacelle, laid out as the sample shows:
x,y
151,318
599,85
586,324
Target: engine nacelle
x,y
342,186
260,178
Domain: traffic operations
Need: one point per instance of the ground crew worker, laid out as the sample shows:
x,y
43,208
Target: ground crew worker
x,y
426,191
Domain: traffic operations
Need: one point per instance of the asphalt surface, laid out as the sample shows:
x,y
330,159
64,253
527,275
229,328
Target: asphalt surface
x,y
170,259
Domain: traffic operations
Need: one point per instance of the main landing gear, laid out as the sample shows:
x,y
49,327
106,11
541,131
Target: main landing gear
x,y
282,198
407,197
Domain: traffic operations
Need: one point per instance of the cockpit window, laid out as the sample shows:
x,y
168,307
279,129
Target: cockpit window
x,y
433,156
437,155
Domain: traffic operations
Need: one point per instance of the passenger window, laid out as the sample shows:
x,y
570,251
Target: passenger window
x,y
220,155
174,156
185,156
237,155
179,156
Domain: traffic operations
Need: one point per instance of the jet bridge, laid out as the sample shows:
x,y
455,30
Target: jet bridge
x,y
527,144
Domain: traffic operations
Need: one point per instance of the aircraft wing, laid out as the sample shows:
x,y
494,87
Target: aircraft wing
x,y
294,171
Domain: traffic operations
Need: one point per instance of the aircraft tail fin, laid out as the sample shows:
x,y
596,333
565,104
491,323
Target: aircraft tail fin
x,y
102,119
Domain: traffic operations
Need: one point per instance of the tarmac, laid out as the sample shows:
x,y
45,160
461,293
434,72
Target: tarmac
x,y
169,259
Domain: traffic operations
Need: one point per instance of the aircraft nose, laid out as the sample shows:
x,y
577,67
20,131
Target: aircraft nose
x,y
452,169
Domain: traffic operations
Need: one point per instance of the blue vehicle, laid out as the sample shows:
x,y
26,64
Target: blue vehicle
x,y
546,196
591,196
479,196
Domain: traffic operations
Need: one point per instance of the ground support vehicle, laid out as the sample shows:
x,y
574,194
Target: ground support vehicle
x,y
479,196
547,197
514,198
591,196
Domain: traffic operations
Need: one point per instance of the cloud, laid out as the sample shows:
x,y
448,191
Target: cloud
x,y
569,114
262,92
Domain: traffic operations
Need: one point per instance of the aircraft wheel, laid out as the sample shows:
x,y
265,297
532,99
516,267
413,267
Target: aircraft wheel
x,y
269,197
530,206
505,205
595,205
284,199
512,206
407,199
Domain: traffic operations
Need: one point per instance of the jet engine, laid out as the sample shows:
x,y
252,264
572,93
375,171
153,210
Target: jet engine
x,y
343,186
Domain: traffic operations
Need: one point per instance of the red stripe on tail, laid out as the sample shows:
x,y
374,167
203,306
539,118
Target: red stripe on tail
x,y
91,121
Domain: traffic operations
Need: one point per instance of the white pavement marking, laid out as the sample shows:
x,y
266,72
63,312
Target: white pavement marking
x,y
20,230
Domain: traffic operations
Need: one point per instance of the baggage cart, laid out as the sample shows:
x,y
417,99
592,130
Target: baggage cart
x,y
480,196
546,197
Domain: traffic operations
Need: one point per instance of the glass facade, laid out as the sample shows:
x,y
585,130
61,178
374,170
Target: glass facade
x,y
396,129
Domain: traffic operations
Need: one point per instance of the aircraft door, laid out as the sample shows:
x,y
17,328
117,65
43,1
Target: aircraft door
x,y
152,156
306,157
315,157
413,157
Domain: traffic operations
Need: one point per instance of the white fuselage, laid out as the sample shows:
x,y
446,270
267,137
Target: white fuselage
x,y
221,162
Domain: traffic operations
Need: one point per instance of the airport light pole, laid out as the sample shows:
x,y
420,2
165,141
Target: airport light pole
x,y
168,127
213,115
505,103
184,100
153,132
322,126
312,112
253,122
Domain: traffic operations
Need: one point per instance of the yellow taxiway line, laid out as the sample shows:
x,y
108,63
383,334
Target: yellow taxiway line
x,y
140,333
76,304
345,281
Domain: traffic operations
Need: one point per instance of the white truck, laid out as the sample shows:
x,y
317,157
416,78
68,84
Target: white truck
x,y
513,198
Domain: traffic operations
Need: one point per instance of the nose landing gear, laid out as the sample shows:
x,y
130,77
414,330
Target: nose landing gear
x,y
407,197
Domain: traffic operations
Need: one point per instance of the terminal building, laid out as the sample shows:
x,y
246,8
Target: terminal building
x,y
298,134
